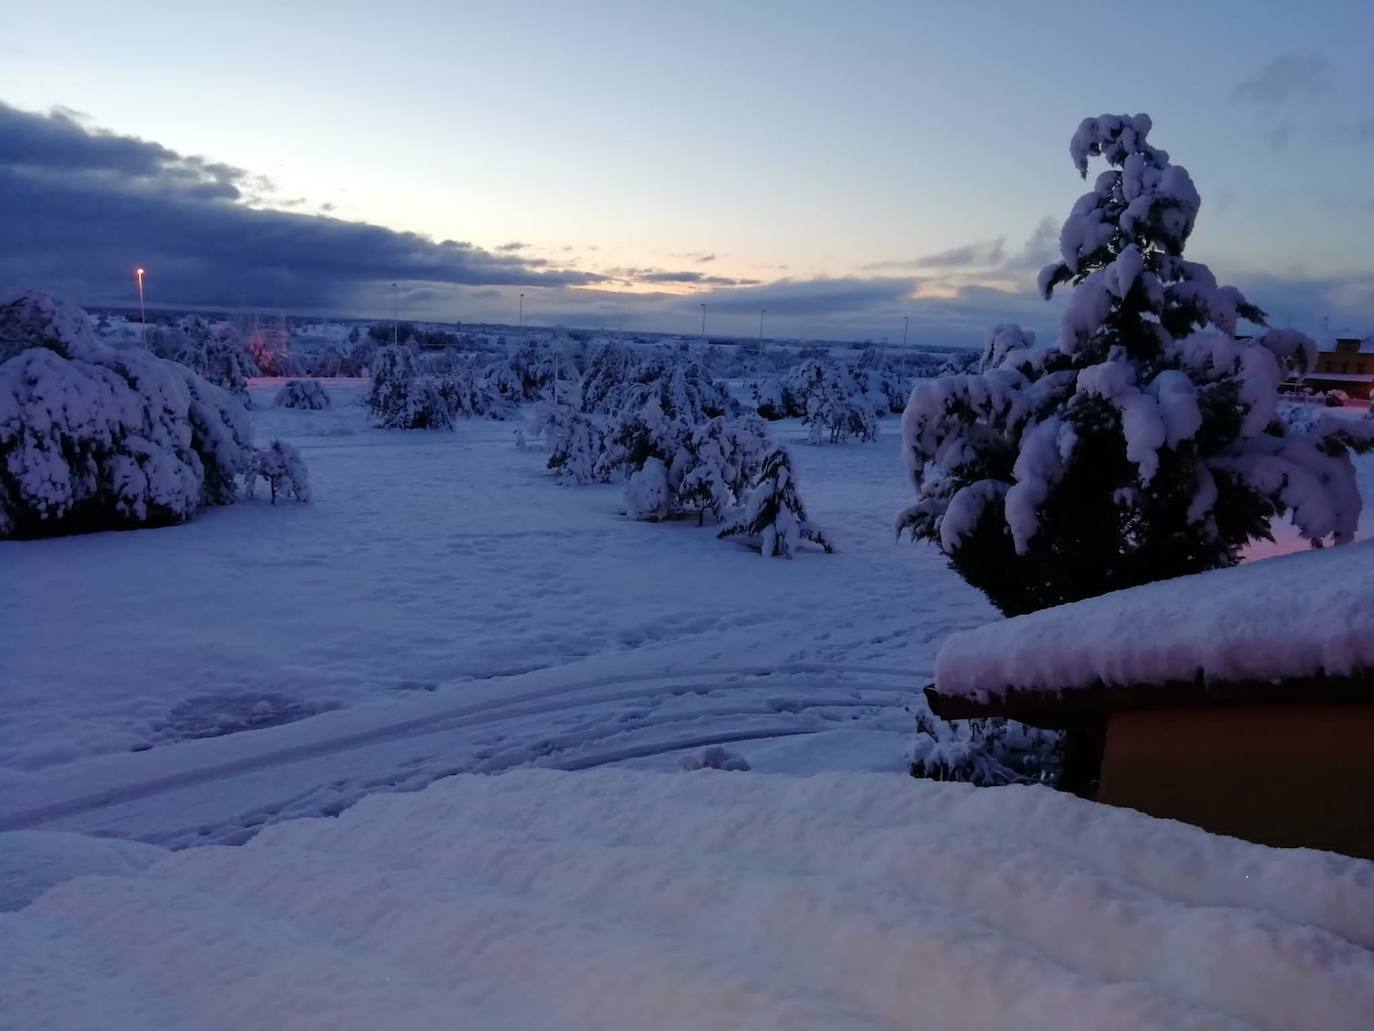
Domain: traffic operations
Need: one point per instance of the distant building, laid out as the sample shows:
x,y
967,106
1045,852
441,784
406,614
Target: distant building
x,y
1348,366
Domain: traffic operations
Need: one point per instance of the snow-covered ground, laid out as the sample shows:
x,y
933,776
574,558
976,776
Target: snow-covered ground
x,y
617,900
444,605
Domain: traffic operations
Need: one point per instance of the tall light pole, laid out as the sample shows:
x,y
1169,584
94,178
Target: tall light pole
x,y
521,321
395,314
142,312
703,320
905,320
761,311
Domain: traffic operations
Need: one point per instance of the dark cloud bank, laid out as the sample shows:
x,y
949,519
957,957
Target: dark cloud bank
x,y
79,207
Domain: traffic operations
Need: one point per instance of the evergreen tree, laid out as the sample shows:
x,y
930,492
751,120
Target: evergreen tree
x,y
94,438
1140,445
228,365
302,393
773,514
725,457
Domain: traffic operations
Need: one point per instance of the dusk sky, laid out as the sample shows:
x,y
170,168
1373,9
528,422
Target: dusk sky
x,y
841,165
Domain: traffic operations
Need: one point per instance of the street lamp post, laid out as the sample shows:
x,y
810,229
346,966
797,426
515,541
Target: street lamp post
x,y
395,314
761,311
703,320
142,312
905,320
521,320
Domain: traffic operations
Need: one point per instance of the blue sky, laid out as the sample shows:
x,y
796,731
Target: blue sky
x,y
839,164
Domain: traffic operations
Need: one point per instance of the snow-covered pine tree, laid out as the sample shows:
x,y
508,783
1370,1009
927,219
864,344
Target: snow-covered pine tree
x,y
393,367
773,514
836,408
93,438
607,373
725,457
228,364
1139,446
302,393
770,401
881,382
576,442
281,466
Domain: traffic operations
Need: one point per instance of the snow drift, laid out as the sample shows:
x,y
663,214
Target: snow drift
x,y
618,900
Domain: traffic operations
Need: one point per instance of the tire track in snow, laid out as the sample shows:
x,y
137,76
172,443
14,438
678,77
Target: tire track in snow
x,y
530,703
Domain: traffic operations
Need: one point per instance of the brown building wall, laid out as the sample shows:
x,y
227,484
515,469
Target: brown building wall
x,y
1288,775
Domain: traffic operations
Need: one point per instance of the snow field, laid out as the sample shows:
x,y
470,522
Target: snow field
x,y
613,899
435,571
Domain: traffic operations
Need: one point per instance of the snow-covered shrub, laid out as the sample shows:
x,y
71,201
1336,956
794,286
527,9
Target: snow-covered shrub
x,y
836,408
302,393
713,757
989,752
93,438
773,514
648,495
283,469
228,364
326,363
531,373
392,370
723,460
770,399
1138,446
607,372
576,443
881,381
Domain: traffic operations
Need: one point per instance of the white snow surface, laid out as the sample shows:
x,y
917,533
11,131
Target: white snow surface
x,y
612,899
31,862
1292,616
442,605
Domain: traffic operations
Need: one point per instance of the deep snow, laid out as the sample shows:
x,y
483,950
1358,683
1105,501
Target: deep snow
x,y
1300,615
370,639
707,899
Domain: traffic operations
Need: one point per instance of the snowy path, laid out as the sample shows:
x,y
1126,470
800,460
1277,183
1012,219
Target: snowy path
x,y
618,900
233,786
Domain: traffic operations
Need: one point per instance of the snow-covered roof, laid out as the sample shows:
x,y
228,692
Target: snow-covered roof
x,y
1275,620
615,900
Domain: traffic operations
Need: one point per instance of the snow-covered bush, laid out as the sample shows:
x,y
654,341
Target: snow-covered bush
x,y
881,381
228,364
405,398
723,460
576,443
773,515
836,408
648,494
93,438
302,393
1138,446
392,367
770,399
326,363
283,469
989,752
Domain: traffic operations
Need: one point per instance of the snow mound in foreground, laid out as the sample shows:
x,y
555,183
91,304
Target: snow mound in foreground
x,y
31,862
618,900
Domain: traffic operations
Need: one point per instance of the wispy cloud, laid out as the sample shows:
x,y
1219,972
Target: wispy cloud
x,y
1291,76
